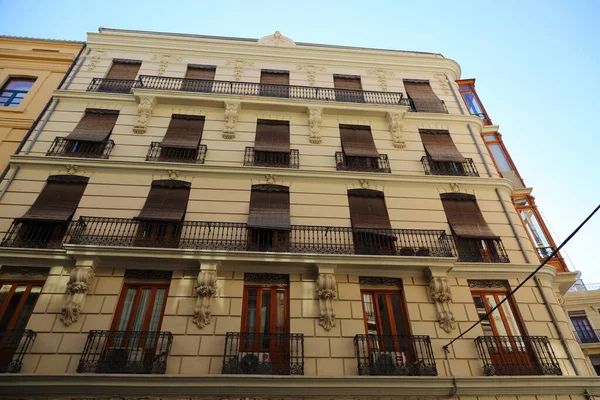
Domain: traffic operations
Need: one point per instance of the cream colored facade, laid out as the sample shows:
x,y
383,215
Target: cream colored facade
x,y
435,289
46,61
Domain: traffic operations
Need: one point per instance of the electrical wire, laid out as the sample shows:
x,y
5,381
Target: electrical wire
x,y
509,295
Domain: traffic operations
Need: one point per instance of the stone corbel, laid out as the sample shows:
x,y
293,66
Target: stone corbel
x,y
441,296
314,123
206,288
144,113
327,292
232,110
79,283
395,121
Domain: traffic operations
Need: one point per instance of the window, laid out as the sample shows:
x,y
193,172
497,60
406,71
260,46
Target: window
x,y
348,88
422,97
358,147
121,76
182,140
372,232
160,221
17,300
199,78
90,136
274,83
272,143
583,328
269,218
442,155
502,160
14,91
467,90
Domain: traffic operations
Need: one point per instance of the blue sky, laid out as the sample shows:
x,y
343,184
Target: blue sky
x,y
536,65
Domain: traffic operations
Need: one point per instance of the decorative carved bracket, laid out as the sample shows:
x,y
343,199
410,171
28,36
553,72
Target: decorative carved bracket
x,y
206,288
314,123
144,113
232,110
395,121
79,283
440,293
327,292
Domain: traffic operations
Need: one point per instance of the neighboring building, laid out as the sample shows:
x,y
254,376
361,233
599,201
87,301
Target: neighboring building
x,y
233,218
30,70
582,303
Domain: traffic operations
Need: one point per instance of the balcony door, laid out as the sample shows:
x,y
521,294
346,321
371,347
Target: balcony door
x,y
17,301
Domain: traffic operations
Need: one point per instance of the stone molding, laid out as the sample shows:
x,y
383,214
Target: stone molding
x,y
79,283
145,108
327,292
232,110
205,288
315,117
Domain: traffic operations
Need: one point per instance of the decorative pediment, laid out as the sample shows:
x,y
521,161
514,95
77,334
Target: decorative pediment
x,y
277,40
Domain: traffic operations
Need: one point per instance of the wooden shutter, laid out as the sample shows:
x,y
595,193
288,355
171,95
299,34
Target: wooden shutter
x,y
439,145
272,136
167,201
95,126
367,209
184,132
272,77
124,69
423,97
357,141
348,82
58,200
465,218
269,207
205,72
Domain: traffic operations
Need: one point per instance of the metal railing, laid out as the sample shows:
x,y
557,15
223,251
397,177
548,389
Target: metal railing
x,y
362,164
413,108
271,159
112,85
69,148
483,251
394,355
126,352
270,90
36,234
433,167
238,237
264,353
14,344
589,336
579,286
170,154
517,355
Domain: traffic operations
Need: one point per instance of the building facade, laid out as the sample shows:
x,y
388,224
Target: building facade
x,y
233,218
30,70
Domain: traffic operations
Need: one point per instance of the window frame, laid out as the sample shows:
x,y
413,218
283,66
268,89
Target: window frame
x,y
511,304
9,102
498,140
471,84
3,307
121,302
387,293
273,312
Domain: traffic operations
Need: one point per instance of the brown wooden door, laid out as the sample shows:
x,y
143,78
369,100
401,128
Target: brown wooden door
x,y
158,234
17,301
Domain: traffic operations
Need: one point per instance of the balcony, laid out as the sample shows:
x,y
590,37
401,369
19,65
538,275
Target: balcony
x,y
405,355
14,344
69,148
36,234
412,107
432,167
362,164
254,158
112,85
589,336
238,237
264,353
167,154
517,355
481,251
126,352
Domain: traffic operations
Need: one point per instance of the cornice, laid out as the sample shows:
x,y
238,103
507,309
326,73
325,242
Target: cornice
x,y
507,271
34,257
197,170
295,387
93,96
36,56
14,120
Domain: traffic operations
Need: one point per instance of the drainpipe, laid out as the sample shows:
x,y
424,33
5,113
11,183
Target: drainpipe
x,y
555,323
512,227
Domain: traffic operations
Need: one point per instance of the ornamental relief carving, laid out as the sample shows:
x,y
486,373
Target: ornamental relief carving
x,y
395,123
441,296
144,113
314,124
79,283
95,59
232,110
327,292
164,60
311,72
206,288
238,67
277,40
382,76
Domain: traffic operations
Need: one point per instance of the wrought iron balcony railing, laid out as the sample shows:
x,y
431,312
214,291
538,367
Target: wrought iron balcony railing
x,y
238,237
394,355
69,148
362,164
126,352
269,90
517,355
112,85
483,251
14,344
264,353
36,234
168,154
433,167
588,336
271,159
